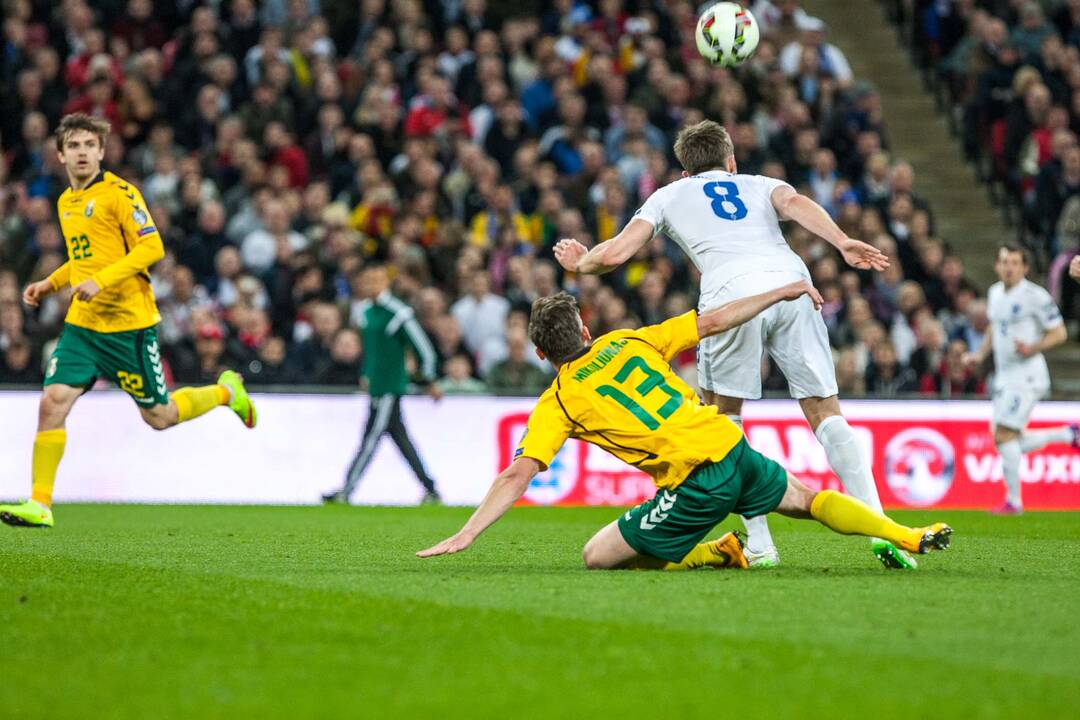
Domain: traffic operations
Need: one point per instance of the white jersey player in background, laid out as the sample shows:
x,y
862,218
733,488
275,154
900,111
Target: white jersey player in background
x,y
728,224
1024,323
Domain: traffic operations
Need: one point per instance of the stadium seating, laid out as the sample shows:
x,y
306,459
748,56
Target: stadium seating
x,y
280,150
1008,76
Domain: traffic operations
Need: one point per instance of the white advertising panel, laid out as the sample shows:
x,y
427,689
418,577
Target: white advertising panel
x,y
925,453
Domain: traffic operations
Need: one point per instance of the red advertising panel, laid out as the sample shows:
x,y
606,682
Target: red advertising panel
x,y
921,458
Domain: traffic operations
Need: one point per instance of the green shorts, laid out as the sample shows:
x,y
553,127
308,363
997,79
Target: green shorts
x,y
131,359
674,521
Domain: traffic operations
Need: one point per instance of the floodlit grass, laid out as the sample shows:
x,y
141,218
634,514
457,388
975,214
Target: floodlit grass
x,y
248,612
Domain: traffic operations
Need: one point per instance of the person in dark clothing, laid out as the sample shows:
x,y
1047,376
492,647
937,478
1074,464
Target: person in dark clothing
x,y
885,376
389,327
269,367
516,373
17,364
344,365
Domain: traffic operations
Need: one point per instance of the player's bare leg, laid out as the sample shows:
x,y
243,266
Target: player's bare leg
x,y
192,402
161,417
608,550
851,464
848,516
760,550
53,409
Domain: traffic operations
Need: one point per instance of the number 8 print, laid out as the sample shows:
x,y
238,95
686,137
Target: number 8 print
x,y
725,195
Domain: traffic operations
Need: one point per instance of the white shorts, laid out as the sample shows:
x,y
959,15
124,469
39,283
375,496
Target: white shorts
x,y
793,333
1013,406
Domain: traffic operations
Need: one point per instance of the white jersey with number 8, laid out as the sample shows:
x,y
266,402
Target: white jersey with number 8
x,y
727,225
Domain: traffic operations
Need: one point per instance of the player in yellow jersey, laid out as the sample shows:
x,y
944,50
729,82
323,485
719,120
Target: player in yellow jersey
x,y
110,330
620,393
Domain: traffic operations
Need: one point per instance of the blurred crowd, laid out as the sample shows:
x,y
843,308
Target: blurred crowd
x,y
1010,70
283,145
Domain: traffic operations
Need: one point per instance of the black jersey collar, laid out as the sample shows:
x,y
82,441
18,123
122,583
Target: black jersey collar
x,y
100,177
579,354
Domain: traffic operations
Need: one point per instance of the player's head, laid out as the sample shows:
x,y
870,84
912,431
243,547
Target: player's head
x,y
80,142
705,146
374,279
556,329
1011,264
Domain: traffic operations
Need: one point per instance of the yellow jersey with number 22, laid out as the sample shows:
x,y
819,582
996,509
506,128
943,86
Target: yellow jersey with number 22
x,y
112,239
621,394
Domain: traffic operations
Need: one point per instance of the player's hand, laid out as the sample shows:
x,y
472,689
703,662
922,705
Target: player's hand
x,y
435,392
1023,349
453,544
87,289
862,255
971,361
569,252
796,290
1074,268
36,292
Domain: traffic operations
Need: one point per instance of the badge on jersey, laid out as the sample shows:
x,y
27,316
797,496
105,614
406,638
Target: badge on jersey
x,y
89,211
140,216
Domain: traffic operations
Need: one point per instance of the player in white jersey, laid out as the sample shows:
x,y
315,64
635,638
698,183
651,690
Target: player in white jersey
x,y
1024,323
728,224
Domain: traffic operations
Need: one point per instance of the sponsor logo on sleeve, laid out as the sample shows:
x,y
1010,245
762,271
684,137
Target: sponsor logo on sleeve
x,y
146,230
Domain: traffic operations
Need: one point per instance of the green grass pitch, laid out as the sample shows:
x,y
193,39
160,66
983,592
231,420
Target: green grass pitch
x,y
249,612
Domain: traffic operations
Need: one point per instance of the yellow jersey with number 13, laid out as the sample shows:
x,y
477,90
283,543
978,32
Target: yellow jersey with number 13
x,y
111,238
621,394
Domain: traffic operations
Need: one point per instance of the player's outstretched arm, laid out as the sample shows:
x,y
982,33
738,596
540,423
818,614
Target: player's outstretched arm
x,y
606,256
790,205
736,313
510,485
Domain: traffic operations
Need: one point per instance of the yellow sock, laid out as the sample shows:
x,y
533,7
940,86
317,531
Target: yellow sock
x,y
193,402
846,515
699,556
48,449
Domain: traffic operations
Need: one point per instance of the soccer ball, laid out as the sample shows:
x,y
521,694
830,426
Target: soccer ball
x,y
727,34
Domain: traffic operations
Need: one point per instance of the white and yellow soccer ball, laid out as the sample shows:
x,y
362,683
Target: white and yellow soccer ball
x,y
727,34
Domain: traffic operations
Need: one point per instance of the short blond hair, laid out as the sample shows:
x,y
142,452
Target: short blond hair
x,y
704,146
81,121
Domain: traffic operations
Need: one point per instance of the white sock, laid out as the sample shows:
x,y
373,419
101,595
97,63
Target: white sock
x,y
758,537
847,460
1039,439
1010,467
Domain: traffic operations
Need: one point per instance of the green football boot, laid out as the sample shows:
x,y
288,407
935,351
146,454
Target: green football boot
x,y
28,514
240,404
891,556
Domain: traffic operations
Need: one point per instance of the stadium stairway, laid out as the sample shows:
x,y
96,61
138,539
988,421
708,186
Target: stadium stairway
x,y
918,133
